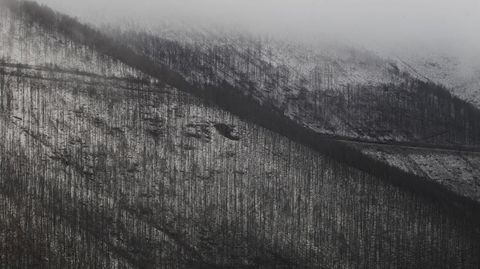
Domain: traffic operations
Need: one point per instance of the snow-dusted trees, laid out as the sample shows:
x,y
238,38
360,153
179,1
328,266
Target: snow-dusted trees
x,y
100,171
403,110
105,173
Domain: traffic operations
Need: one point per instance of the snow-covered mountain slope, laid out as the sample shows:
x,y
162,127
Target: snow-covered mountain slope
x,y
363,98
406,110
116,169
458,171
337,91
25,42
460,76
102,173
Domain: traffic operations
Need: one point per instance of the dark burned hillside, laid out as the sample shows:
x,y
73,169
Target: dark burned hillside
x,y
416,109
129,175
110,160
397,107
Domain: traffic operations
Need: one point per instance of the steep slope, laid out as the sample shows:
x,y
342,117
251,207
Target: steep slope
x,y
131,175
348,95
24,42
337,91
459,74
102,168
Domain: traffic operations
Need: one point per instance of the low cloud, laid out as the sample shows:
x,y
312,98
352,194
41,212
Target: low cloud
x,y
441,24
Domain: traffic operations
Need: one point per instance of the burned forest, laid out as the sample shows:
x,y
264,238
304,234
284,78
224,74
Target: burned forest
x,y
127,148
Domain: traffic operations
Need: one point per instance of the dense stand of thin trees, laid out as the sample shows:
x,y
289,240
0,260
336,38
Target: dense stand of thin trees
x,y
405,110
122,173
131,175
408,110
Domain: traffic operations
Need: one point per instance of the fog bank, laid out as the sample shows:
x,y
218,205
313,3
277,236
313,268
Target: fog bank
x,y
437,24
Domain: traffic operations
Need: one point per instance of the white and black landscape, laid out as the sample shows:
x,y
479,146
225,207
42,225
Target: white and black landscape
x,y
239,134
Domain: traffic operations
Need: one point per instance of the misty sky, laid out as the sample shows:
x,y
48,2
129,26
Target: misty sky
x,y
440,23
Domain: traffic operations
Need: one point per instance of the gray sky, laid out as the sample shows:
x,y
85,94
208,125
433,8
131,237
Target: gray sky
x,y
452,24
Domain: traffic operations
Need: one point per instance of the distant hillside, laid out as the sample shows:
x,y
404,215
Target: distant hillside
x,y
335,91
326,98
460,75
